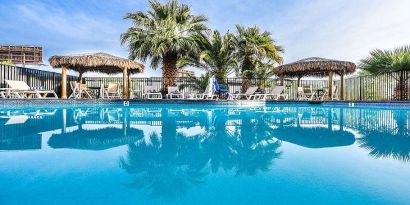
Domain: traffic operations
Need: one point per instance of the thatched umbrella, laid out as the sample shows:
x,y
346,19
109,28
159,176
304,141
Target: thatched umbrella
x,y
317,67
95,62
314,137
100,139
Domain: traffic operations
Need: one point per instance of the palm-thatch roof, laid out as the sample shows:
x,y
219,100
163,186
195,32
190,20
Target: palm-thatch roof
x,y
100,139
317,67
314,137
96,62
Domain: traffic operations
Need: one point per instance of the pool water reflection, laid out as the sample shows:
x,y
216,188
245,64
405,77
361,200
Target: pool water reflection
x,y
185,154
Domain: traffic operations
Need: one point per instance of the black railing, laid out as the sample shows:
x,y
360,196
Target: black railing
x,y
386,87
33,77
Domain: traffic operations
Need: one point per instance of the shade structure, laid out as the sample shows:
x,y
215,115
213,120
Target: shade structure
x,y
95,62
100,139
314,137
317,67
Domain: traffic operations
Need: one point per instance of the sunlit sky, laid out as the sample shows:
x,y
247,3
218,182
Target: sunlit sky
x,y
338,29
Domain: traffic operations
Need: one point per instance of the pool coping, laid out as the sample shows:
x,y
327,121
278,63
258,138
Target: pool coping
x,y
5,103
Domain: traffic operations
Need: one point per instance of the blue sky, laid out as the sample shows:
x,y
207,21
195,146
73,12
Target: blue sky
x,y
339,29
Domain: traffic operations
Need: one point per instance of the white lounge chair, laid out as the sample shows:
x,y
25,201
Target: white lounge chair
x,y
112,91
173,91
79,90
151,93
277,93
249,94
305,93
20,89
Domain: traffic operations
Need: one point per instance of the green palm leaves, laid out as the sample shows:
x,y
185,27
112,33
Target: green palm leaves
x,y
383,61
216,56
255,46
163,34
386,61
169,35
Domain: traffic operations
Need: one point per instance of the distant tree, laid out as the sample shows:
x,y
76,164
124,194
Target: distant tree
x,y
164,35
7,62
254,46
388,61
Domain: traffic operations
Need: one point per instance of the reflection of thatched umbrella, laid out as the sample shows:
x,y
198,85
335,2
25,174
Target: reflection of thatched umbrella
x,y
317,67
95,62
95,139
314,137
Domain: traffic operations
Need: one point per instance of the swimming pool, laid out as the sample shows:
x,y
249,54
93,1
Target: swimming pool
x,y
204,154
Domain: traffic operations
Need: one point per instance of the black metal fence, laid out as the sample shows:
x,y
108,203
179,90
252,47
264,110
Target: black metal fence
x,y
33,77
386,87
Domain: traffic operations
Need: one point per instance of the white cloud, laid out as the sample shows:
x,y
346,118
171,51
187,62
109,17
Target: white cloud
x,y
341,29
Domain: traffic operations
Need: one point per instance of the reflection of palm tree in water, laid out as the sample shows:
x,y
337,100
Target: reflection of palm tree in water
x,y
256,148
220,143
167,166
391,143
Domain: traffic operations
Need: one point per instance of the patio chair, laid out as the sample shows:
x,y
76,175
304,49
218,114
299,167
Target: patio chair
x,y
277,93
173,91
112,91
79,90
151,93
249,94
305,93
335,94
207,94
221,88
20,89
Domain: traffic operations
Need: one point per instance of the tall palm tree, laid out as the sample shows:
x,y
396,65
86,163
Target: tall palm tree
x,y
253,45
388,61
217,55
163,34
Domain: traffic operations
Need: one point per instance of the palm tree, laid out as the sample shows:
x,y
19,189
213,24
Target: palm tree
x,y
263,71
217,55
389,61
164,35
198,84
253,46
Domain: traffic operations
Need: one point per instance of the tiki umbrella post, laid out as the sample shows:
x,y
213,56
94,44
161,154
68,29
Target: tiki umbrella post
x,y
318,67
124,83
80,77
281,79
299,77
342,86
330,91
64,82
129,85
95,62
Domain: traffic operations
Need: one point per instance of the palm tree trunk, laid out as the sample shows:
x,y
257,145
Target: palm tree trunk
x,y
246,76
169,71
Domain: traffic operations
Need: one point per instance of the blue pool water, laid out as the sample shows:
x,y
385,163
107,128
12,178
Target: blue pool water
x,y
204,154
